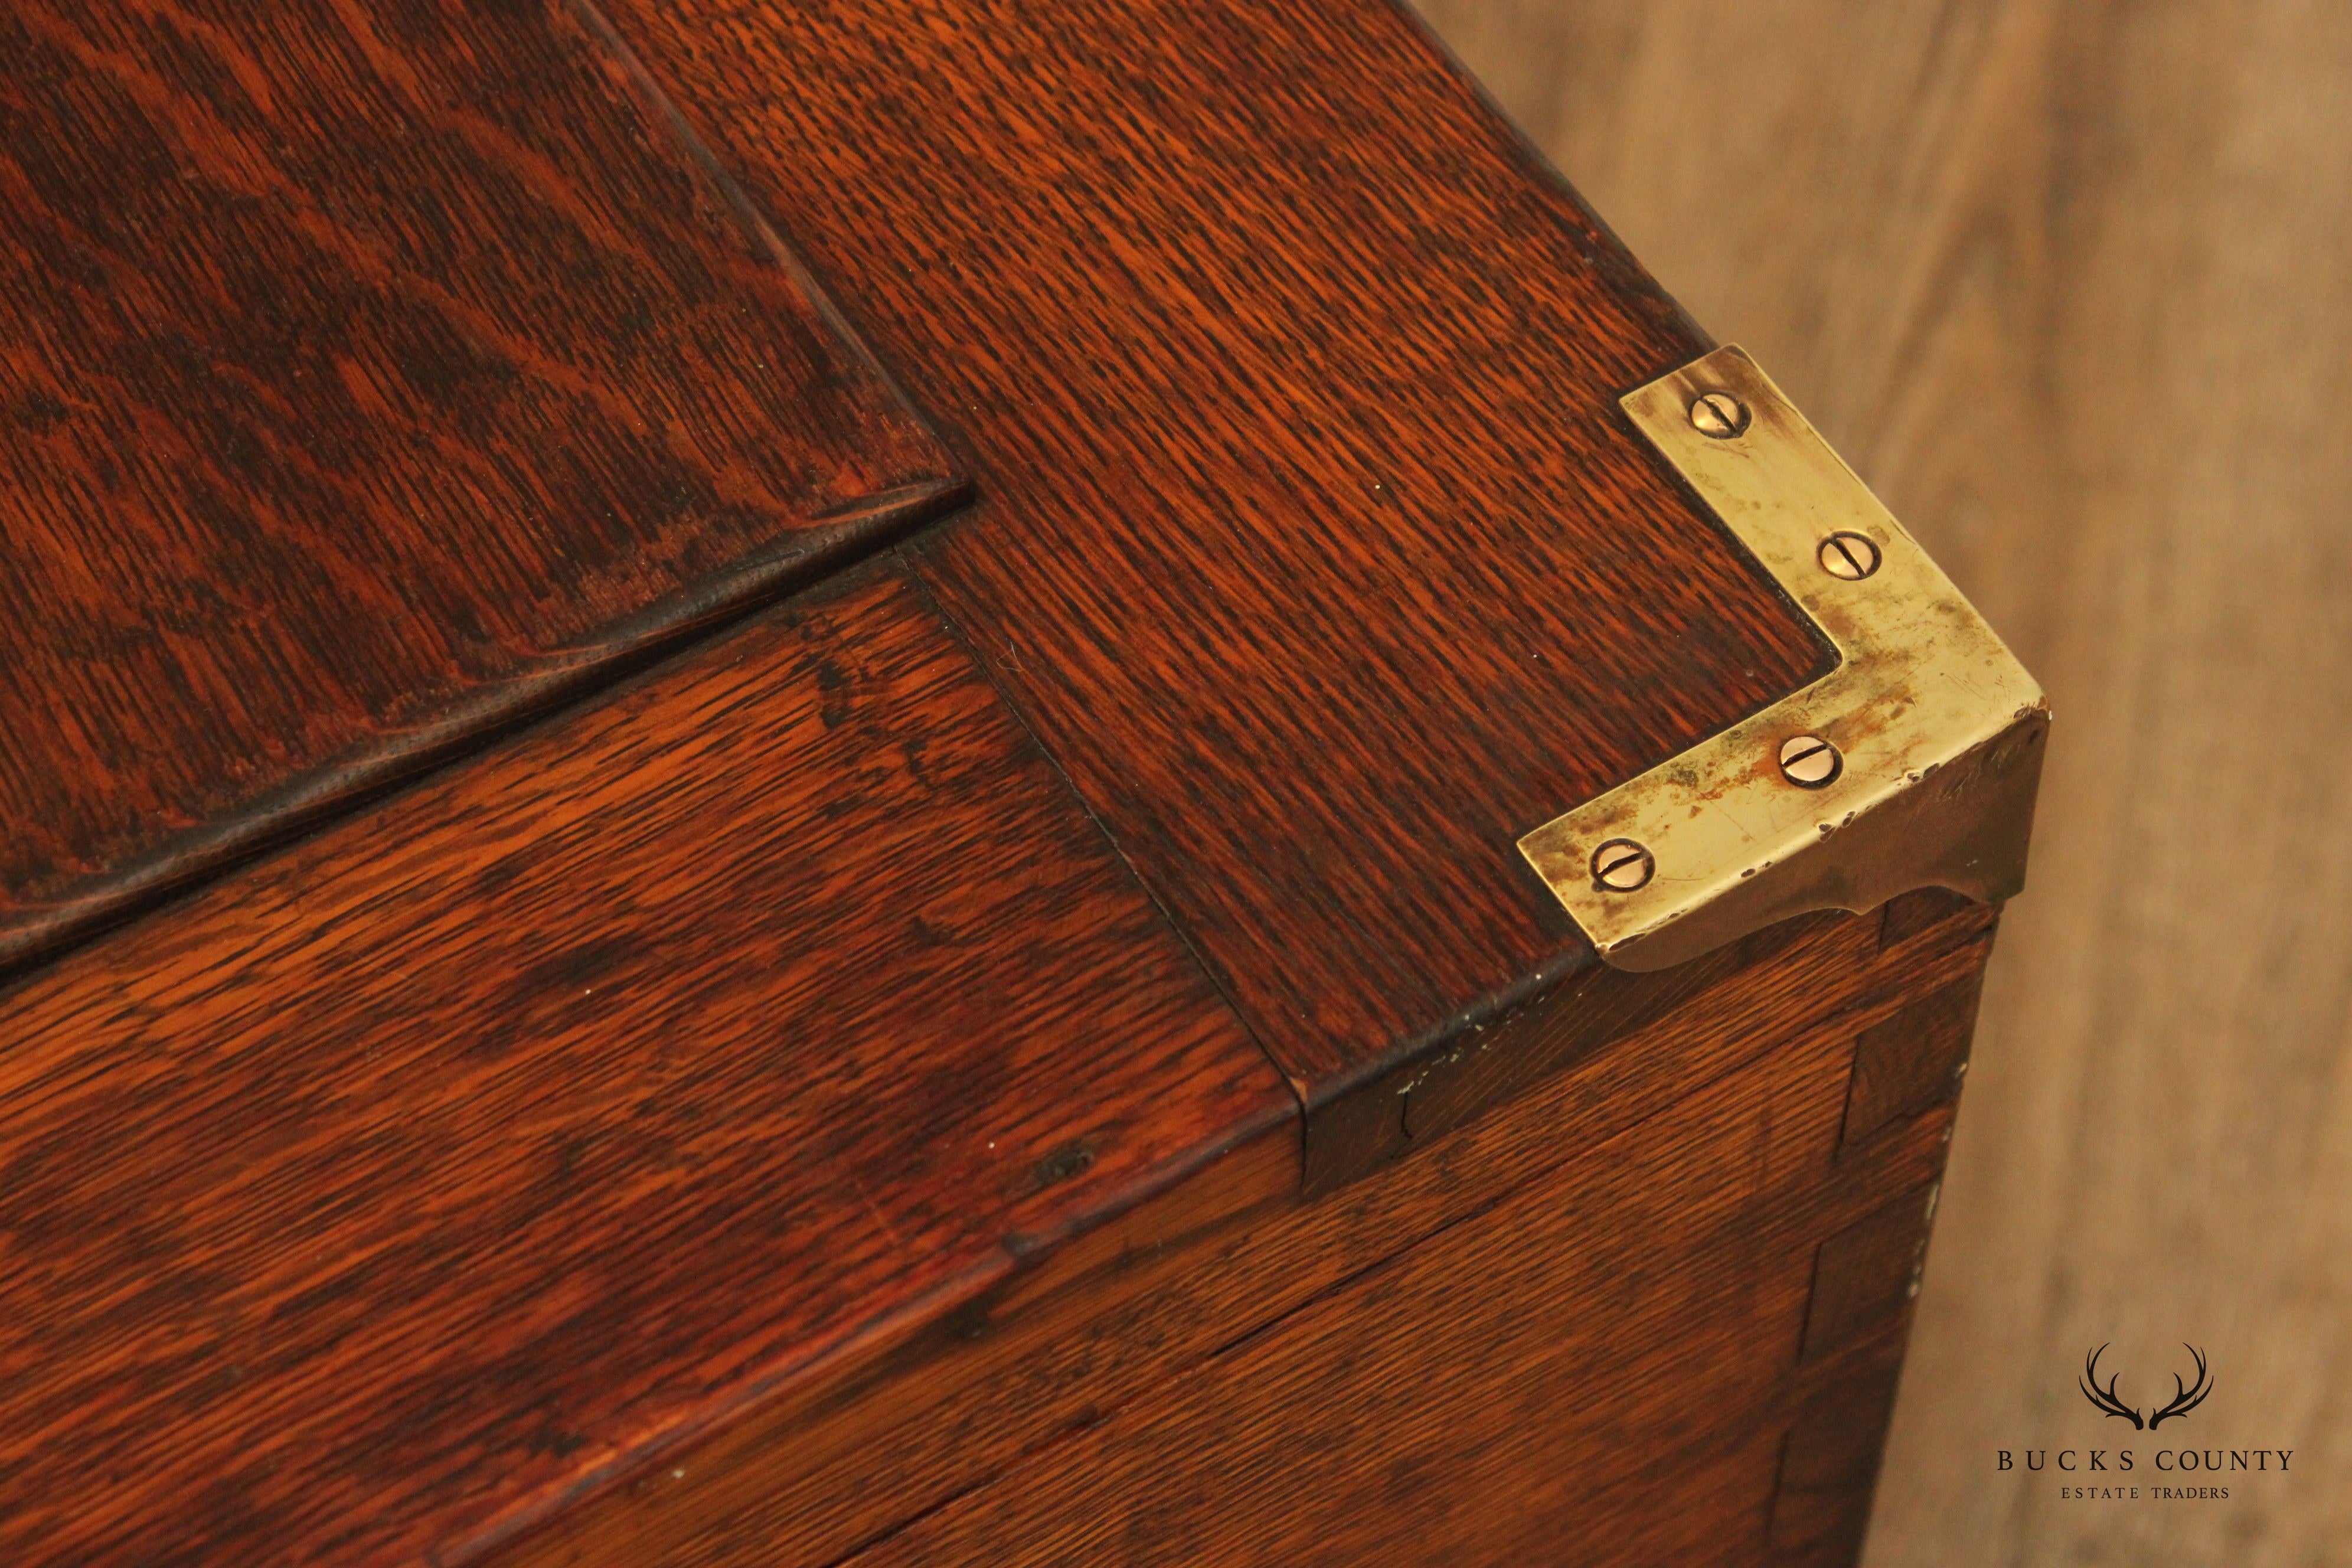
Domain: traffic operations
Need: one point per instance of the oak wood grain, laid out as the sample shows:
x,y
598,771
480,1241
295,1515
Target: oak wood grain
x,y
1598,1366
1913,1060
1309,539
400,1187
374,373
1152,1301
2069,284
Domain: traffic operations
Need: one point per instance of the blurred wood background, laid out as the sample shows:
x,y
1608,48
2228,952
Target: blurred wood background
x,y
2071,284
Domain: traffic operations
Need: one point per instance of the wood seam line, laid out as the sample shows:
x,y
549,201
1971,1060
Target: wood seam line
x,y
971,649
318,802
747,211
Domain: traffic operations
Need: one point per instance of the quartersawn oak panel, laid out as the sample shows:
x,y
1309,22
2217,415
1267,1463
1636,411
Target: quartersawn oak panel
x,y
1310,538
370,372
401,1185
1598,1367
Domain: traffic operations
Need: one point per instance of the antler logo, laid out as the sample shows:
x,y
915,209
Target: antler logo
x,y
2186,1396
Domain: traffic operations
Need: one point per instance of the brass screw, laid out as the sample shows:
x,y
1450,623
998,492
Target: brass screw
x,y
1621,866
1719,414
1852,556
1809,761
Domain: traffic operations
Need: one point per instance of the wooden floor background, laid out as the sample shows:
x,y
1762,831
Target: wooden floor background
x,y
2071,284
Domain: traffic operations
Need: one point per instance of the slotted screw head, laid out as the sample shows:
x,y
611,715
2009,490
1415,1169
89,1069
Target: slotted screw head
x,y
1719,414
1621,866
1809,761
1852,556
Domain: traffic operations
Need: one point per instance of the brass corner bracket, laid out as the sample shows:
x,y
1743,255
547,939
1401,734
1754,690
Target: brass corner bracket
x,y
1912,765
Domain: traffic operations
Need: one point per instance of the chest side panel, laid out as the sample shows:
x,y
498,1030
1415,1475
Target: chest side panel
x,y
1673,1339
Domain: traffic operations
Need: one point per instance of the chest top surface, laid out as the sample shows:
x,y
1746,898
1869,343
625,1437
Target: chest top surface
x,y
374,373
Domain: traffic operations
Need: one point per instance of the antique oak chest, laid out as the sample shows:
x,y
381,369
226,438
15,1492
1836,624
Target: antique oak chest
x,y
901,782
